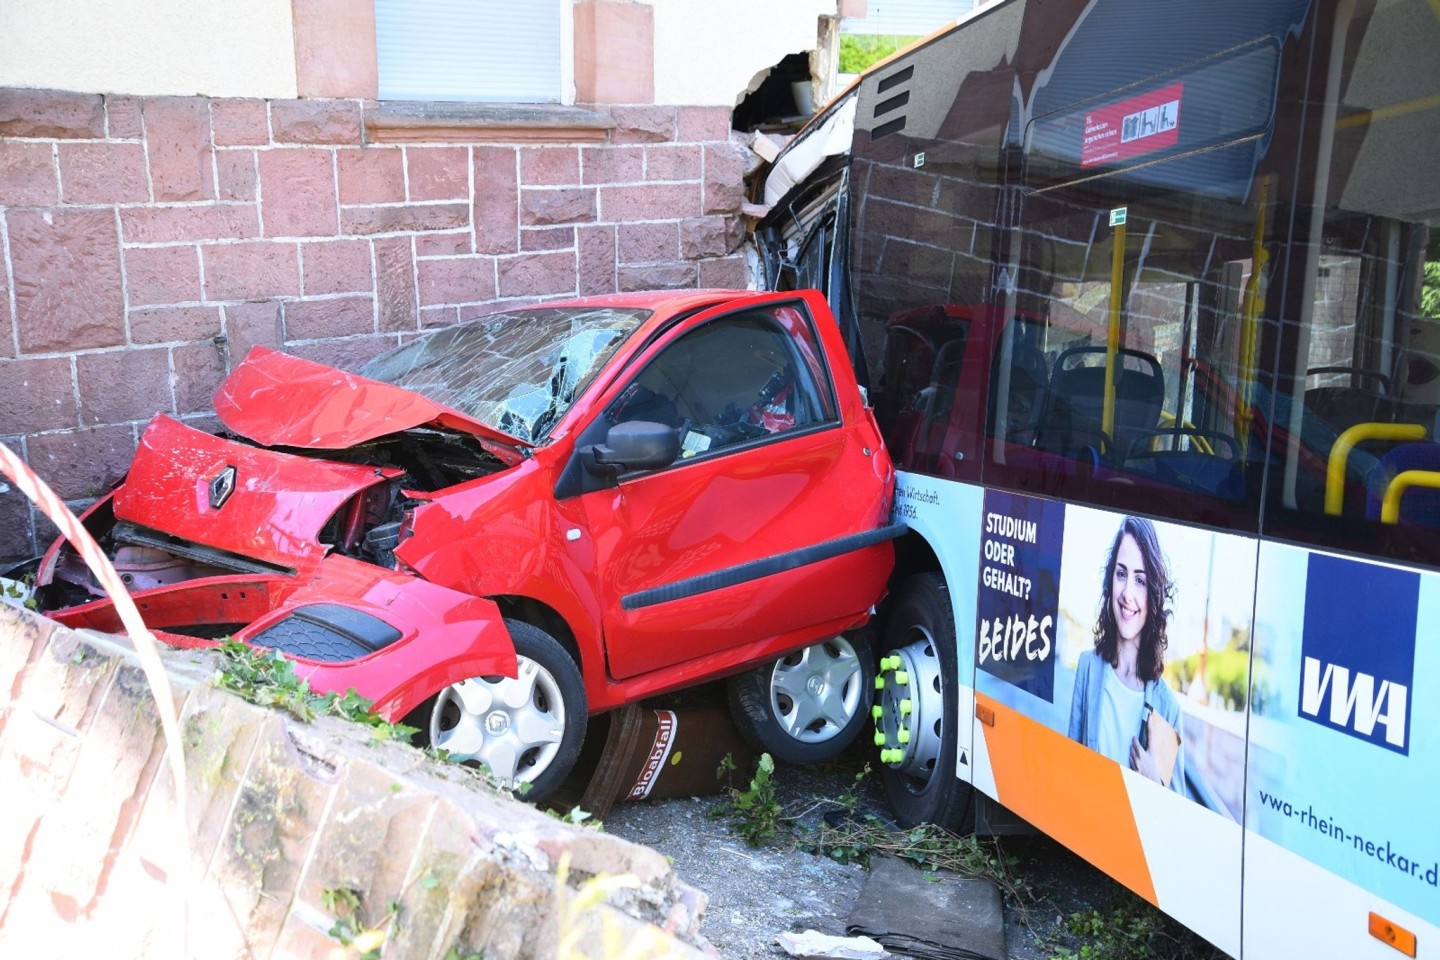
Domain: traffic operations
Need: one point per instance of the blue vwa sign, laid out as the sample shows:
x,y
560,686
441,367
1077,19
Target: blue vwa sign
x,y
1358,652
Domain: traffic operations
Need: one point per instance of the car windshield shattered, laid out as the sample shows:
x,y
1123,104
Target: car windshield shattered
x,y
517,372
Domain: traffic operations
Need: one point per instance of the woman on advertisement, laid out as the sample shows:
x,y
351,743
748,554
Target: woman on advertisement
x,y
1122,707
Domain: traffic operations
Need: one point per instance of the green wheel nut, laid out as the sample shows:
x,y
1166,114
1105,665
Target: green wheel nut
x,y
902,677
880,740
903,736
905,707
879,683
878,711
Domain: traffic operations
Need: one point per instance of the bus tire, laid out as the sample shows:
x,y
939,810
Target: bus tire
x,y
922,787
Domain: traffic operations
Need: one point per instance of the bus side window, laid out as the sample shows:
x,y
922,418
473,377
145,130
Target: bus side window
x,y
1356,450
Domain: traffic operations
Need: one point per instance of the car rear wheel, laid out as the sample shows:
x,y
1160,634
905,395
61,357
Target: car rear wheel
x,y
525,729
809,706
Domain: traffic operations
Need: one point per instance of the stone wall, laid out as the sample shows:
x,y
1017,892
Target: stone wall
x,y
147,243
281,815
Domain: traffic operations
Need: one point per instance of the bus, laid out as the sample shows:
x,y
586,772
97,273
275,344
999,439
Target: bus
x,y
1146,297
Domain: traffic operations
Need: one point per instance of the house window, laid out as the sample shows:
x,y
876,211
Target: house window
x,y
496,51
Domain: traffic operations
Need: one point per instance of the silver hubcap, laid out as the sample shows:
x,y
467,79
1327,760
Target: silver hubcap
x,y
814,693
910,722
512,725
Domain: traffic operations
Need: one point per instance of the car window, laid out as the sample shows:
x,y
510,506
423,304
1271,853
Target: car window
x,y
739,378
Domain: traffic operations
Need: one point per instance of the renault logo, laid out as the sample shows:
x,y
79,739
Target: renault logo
x,y
221,486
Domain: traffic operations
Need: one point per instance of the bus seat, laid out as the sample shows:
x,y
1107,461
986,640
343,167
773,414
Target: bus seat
x,y
1343,407
1420,506
1075,404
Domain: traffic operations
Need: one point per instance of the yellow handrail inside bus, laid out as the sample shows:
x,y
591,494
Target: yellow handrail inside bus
x,y
1404,480
1335,469
1254,305
1197,440
1112,333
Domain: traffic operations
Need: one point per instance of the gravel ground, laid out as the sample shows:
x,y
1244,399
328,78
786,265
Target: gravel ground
x,y
757,893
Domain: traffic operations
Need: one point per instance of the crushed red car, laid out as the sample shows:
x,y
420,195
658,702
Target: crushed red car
x,y
505,526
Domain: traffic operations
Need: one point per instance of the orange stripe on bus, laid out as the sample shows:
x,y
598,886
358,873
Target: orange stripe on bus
x,y
1075,795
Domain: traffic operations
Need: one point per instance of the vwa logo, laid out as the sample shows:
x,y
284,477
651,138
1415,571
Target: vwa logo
x,y
1355,702
1357,654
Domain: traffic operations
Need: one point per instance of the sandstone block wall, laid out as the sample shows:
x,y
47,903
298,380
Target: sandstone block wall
x,y
94,860
147,243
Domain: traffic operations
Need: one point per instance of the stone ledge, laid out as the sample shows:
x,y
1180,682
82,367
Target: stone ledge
x,y
413,122
278,813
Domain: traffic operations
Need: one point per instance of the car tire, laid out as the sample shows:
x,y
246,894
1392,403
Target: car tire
x,y
526,730
808,706
920,642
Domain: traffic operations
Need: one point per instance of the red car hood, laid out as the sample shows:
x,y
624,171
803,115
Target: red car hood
x,y
276,399
276,505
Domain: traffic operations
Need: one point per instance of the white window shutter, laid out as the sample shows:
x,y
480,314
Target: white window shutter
x,y
501,51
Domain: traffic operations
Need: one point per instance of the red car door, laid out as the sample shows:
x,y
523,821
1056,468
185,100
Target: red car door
x,y
768,528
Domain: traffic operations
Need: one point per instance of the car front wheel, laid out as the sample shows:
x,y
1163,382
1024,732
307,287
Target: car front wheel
x,y
526,729
809,706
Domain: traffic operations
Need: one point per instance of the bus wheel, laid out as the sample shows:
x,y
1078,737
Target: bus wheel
x,y
809,706
917,722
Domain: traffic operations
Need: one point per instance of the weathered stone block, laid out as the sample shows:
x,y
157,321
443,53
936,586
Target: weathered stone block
x,y
239,177
612,165
315,121
597,259
438,173
648,242
496,212
82,464
371,175
395,284
335,266
539,274
251,271
724,178
549,166
544,207
671,162
657,201
404,219
703,237
729,273
122,385
51,113
222,221
340,317
250,325
671,276
703,124
103,173
41,394
161,275
298,190
453,244
177,138
643,124
199,368
547,238
350,353
123,118
67,279
240,123
27,174
456,280
167,324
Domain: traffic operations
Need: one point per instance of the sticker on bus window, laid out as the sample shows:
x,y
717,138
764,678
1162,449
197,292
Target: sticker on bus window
x,y
1019,583
1146,639
1132,127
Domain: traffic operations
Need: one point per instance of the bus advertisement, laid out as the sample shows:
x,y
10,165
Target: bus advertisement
x,y
1146,297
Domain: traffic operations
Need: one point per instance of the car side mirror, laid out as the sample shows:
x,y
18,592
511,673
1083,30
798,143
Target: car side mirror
x,y
634,445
